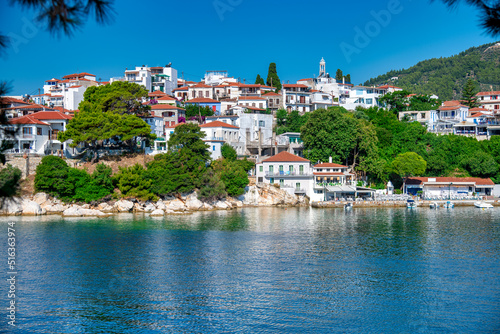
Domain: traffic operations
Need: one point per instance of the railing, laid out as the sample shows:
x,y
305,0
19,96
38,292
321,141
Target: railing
x,y
292,173
214,138
28,136
299,190
465,132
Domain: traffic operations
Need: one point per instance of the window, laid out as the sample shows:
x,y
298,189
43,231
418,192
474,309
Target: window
x,y
261,168
290,168
422,115
39,131
260,180
193,93
260,105
27,131
262,123
297,185
281,168
206,93
302,99
213,148
200,94
271,168
271,180
301,169
369,101
369,91
282,182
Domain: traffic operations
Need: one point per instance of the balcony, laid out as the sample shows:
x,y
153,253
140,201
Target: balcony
x,y
28,136
299,191
287,174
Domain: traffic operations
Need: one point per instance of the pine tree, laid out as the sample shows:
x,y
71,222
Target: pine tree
x,y
259,80
469,97
339,75
272,77
348,78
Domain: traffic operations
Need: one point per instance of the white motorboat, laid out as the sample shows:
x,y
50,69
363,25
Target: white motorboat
x,y
411,204
483,205
434,205
348,206
448,205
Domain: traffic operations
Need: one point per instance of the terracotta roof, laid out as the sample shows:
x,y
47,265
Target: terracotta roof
x,y
164,106
28,106
254,86
5,100
252,108
387,86
285,157
328,165
305,79
271,94
167,98
202,100
157,93
61,109
488,93
477,114
53,79
181,88
217,124
477,109
75,86
251,98
28,119
476,180
176,125
294,86
451,103
201,85
44,115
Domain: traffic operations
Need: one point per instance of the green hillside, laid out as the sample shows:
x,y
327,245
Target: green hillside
x,y
446,77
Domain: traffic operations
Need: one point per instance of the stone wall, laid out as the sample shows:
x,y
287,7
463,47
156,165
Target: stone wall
x,y
20,162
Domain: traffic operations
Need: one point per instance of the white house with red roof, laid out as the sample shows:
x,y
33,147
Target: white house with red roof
x,y
292,173
253,101
489,100
446,116
436,188
170,113
296,97
333,182
200,90
274,101
156,78
68,92
217,133
37,133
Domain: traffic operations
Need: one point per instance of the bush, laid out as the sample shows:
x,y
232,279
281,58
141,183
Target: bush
x,y
92,187
228,152
9,181
51,177
233,175
132,183
398,191
213,188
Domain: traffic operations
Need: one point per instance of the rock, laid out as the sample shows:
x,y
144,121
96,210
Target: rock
x,y
221,205
158,212
32,208
150,208
76,211
11,206
56,208
138,207
40,198
124,205
160,205
105,207
193,203
169,211
86,206
176,205
207,207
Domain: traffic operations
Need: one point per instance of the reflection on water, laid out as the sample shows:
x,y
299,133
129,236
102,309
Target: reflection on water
x,y
261,270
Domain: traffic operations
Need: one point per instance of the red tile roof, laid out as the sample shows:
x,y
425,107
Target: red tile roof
x,y
329,165
201,85
5,100
488,93
252,108
28,119
157,93
251,98
53,79
294,86
387,86
271,94
167,98
174,126
477,109
329,173
285,157
181,88
164,106
476,180
202,100
45,115
218,124
305,79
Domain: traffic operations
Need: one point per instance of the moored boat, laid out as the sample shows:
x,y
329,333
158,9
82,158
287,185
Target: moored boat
x,y
411,204
482,205
434,205
449,205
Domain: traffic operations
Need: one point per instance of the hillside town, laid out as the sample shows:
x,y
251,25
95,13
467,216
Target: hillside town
x,y
244,116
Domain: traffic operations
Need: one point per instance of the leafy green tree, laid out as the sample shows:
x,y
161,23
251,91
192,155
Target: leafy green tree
x,y
348,78
213,188
272,77
281,116
228,152
232,175
480,164
51,177
188,137
9,181
259,80
423,102
132,182
469,97
193,110
396,101
409,164
93,187
339,75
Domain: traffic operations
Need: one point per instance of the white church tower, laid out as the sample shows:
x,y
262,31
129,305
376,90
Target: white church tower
x,y
322,65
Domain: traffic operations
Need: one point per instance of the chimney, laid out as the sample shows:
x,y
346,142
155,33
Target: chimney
x,y
330,159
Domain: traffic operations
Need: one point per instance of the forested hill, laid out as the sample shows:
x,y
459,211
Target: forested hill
x,y
446,77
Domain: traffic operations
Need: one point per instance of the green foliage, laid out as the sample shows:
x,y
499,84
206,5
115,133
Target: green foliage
x,y
446,77
469,97
213,188
348,78
51,177
259,80
423,102
132,182
187,138
281,116
292,122
480,164
272,77
409,164
93,187
396,101
193,110
247,165
228,152
339,75
232,174
9,181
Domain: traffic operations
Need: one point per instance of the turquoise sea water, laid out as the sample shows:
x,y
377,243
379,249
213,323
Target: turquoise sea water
x,y
259,270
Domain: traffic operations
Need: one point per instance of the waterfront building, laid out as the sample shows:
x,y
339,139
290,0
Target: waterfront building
x,y
67,93
448,114
288,171
332,182
216,134
449,187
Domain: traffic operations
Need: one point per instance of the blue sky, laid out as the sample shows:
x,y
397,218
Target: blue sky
x,y
242,37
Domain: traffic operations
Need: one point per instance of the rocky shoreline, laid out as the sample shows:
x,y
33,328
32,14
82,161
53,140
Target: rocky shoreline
x,y
43,204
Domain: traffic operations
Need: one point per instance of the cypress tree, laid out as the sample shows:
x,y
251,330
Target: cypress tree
x,y
272,77
339,75
259,80
469,97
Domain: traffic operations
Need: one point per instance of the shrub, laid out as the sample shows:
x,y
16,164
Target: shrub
x,y
228,152
131,182
213,188
9,181
51,177
233,175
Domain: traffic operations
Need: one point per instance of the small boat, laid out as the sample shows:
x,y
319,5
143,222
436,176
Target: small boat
x,y
411,204
347,206
449,205
434,205
483,205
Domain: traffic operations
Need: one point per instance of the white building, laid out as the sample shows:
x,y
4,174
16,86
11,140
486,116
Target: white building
x,y
68,93
332,182
162,78
290,172
489,100
253,101
447,115
214,78
217,133
296,97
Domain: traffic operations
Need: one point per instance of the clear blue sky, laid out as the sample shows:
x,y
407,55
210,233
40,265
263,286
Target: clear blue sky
x,y
242,37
